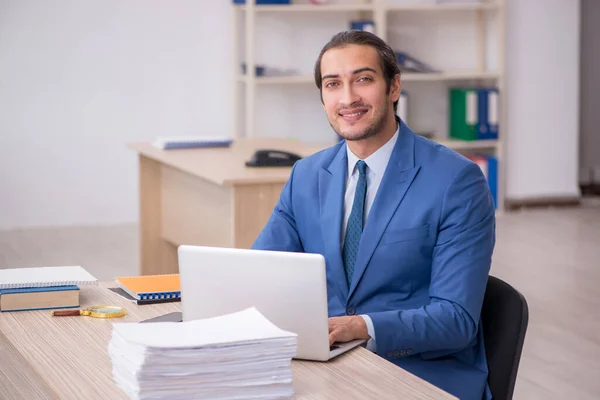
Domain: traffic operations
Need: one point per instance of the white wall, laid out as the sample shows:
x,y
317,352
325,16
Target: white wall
x,y
589,146
80,79
542,70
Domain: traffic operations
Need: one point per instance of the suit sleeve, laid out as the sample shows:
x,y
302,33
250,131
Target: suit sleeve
x,y
280,232
461,262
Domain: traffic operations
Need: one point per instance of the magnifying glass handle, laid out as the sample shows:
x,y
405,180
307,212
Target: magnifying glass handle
x,y
66,313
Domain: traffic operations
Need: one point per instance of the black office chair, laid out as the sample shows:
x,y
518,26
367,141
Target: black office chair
x,y
504,319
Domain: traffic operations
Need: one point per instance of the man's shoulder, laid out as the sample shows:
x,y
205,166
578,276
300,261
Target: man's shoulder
x,y
317,161
439,158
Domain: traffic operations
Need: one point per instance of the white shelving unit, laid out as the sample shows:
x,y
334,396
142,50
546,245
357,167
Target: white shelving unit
x,y
379,11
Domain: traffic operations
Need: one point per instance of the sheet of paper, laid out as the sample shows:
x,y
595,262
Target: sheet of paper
x,y
243,326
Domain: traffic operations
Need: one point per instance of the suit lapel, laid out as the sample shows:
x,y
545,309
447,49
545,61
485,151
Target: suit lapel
x,y
396,181
332,184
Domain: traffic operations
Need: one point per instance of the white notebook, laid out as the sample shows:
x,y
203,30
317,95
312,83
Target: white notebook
x,y
45,277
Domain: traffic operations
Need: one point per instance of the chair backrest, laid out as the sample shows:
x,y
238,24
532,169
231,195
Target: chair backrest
x,y
504,318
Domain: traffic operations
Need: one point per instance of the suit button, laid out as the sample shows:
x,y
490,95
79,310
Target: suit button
x,y
350,311
390,354
402,352
408,352
396,353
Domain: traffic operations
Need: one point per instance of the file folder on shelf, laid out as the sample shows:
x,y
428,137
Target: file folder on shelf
x,y
487,124
463,113
489,167
402,110
473,113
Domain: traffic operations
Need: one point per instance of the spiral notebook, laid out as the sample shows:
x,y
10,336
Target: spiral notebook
x,y
15,278
151,287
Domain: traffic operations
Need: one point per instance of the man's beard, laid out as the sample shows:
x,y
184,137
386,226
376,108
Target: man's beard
x,y
373,129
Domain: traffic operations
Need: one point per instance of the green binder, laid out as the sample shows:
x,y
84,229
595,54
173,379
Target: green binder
x,y
463,113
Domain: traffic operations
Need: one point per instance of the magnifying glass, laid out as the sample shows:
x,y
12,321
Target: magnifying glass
x,y
95,311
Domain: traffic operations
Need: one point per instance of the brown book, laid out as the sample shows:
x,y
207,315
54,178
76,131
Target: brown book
x,y
39,298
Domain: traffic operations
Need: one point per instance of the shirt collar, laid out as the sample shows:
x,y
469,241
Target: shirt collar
x,y
377,162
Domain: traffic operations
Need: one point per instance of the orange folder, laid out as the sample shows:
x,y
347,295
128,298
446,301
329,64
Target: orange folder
x,y
151,287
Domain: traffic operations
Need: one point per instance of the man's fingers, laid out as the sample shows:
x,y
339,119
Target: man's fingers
x,y
333,336
333,324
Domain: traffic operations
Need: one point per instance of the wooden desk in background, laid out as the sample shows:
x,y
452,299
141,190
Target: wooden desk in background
x,y
205,197
44,357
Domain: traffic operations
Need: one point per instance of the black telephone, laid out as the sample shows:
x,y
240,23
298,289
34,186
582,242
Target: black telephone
x,y
272,158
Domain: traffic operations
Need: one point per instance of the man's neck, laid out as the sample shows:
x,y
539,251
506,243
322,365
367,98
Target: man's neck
x,y
364,148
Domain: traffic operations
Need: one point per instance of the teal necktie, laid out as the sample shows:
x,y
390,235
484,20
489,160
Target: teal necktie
x,y
355,222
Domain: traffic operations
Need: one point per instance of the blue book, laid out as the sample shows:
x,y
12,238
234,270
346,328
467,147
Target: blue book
x,y
363,25
39,298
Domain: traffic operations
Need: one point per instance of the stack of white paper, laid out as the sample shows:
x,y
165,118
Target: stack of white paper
x,y
235,356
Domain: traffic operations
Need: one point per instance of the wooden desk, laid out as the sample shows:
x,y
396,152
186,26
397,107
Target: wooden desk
x,y
205,197
44,357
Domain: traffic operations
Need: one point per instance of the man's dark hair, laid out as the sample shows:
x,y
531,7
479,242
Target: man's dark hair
x,y
387,57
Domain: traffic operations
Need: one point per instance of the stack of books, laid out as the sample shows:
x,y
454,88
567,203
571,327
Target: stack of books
x,y
234,356
42,288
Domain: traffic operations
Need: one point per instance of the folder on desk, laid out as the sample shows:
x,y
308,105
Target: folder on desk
x,y
151,287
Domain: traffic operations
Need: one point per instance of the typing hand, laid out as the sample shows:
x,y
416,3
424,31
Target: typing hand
x,y
345,329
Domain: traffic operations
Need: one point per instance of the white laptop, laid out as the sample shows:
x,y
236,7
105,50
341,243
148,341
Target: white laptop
x,y
290,289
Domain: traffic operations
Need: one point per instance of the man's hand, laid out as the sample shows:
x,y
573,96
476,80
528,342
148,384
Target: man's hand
x,y
345,329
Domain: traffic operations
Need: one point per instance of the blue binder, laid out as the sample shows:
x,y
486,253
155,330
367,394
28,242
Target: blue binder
x,y
487,114
493,178
482,126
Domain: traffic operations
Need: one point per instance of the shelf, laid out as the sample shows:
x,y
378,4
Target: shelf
x,y
308,7
272,80
468,145
406,77
447,76
370,7
383,14
443,7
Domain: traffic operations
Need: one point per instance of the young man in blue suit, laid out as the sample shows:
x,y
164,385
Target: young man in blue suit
x,y
406,225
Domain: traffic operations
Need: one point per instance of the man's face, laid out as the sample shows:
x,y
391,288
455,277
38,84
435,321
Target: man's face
x,y
354,91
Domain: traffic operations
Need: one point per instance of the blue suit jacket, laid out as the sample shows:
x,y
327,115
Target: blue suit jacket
x,y
423,260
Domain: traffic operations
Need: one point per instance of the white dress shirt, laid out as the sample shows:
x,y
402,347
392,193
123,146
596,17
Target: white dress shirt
x,y
376,165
